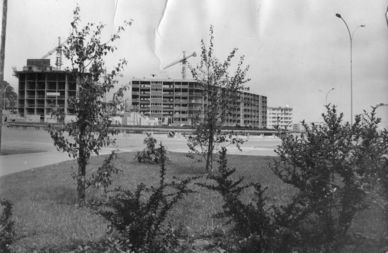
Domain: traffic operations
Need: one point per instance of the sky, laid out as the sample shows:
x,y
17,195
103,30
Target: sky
x,y
297,50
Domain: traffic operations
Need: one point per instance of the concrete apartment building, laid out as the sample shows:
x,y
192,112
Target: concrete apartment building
x,y
279,117
43,89
178,101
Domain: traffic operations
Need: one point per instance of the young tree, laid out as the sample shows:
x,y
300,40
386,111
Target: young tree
x,y
90,131
220,94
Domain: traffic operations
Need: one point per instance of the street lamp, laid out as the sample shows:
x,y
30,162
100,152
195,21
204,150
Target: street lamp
x,y
327,94
381,104
351,62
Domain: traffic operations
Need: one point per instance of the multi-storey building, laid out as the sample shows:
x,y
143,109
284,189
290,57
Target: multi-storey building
x,y
43,89
253,110
178,101
280,117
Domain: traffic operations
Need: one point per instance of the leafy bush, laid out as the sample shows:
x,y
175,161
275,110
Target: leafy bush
x,y
150,154
139,215
333,166
7,232
252,221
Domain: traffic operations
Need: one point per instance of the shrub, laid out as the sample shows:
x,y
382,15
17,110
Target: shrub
x,y
331,165
139,215
150,154
253,230
7,232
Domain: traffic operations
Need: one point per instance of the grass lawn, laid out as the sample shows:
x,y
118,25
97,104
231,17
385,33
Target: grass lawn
x,y
46,216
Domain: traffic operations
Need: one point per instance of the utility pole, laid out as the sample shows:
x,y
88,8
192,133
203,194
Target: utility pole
x,y
2,56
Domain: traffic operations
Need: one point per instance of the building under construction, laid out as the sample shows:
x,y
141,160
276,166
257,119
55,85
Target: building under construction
x,y
178,101
44,89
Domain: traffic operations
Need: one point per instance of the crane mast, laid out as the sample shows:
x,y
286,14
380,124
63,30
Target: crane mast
x,y
59,51
184,63
58,60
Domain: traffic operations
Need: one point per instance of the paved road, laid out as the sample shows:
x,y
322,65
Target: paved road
x,y
30,148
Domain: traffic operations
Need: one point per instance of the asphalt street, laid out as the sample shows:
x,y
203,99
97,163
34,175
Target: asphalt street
x,y
30,148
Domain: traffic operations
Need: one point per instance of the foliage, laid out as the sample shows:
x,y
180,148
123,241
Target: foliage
x,y
332,165
7,232
90,131
139,215
102,178
197,142
110,245
10,96
220,93
253,229
150,154
373,158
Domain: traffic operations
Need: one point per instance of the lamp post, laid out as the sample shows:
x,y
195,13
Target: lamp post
x,y
351,62
381,104
327,94
2,56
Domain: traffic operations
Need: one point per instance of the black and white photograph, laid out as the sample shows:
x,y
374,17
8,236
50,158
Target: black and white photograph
x,y
194,126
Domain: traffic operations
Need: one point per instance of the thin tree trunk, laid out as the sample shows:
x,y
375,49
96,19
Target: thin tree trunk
x,y
209,160
81,178
209,155
82,161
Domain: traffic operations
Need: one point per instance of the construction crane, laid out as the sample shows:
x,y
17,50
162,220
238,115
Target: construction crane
x,y
184,63
58,50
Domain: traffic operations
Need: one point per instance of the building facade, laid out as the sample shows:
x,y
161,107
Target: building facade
x,y
43,90
279,117
179,101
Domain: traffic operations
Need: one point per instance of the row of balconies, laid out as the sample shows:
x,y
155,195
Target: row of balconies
x,y
38,96
33,105
175,108
251,117
176,101
280,118
166,94
182,101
